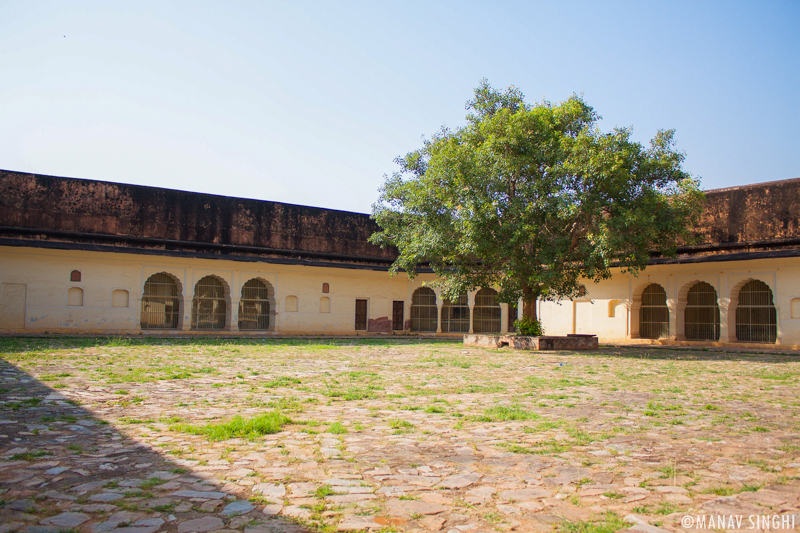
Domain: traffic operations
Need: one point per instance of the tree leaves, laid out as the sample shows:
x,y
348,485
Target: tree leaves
x,y
533,200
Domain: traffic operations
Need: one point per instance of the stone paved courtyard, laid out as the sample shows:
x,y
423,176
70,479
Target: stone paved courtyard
x,y
134,436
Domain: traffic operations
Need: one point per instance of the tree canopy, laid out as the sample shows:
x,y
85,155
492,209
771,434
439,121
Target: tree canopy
x,y
534,200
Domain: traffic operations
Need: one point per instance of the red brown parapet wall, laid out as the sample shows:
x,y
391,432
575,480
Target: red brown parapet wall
x,y
545,342
88,207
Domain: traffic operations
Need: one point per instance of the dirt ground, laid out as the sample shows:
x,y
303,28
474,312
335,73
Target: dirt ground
x,y
283,435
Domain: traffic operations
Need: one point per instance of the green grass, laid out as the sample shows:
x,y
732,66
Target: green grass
x,y
323,491
609,523
30,456
401,426
501,413
152,482
282,381
337,429
248,428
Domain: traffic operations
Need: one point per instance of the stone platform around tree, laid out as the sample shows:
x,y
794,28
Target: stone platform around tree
x,y
544,342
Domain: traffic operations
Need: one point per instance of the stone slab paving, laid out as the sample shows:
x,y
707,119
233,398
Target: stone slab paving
x,y
109,435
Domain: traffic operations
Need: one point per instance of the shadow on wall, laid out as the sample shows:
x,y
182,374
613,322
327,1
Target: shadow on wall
x,y
62,468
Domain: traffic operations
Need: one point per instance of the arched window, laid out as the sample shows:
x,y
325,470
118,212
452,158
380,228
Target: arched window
x,y
701,318
756,317
487,312
75,275
455,315
254,306
160,302
654,314
424,313
209,308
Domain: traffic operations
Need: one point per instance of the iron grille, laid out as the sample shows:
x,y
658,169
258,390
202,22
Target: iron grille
x,y
455,315
160,303
756,317
701,319
424,313
487,312
209,307
654,314
254,306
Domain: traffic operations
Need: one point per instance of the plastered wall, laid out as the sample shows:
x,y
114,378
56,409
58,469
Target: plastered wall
x,y
37,295
610,309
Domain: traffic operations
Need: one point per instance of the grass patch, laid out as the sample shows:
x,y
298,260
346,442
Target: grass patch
x,y
30,456
609,523
401,426
248,428
501,413
337,428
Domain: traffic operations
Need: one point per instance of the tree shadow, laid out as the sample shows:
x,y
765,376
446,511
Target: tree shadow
x,y
64,469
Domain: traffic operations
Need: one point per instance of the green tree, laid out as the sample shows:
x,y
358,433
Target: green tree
x,y
534,200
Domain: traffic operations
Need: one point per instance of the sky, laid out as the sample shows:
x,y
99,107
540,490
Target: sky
x,y
310,102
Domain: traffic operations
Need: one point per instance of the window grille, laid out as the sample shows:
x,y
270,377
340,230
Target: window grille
x,y
756,317
701,318
160,303
254,306
398,315
487,312
209,307
424,313
455,315
654,314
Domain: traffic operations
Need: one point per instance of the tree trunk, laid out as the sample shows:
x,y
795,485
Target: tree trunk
x,y
529,297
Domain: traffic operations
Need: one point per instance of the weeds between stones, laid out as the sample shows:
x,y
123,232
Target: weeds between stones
x,y
248,428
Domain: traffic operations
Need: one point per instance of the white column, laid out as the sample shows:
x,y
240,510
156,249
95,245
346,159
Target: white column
x,y
234,325
725,333
673,320
471,304
187,314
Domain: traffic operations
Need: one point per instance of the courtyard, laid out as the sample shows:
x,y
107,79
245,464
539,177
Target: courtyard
x,y
284,435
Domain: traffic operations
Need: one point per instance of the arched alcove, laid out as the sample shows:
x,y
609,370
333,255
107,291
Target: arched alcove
x,y
255,305
161,302
210,304
455,315
424,313
487,312
654,313
756,316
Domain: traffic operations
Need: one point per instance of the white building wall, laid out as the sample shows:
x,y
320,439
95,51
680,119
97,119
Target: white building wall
x,y
34,285
611,308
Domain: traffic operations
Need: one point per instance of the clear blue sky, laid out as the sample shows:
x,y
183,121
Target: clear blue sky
x,y
310,102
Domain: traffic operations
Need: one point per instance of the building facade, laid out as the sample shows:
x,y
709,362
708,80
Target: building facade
x,y
83,256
